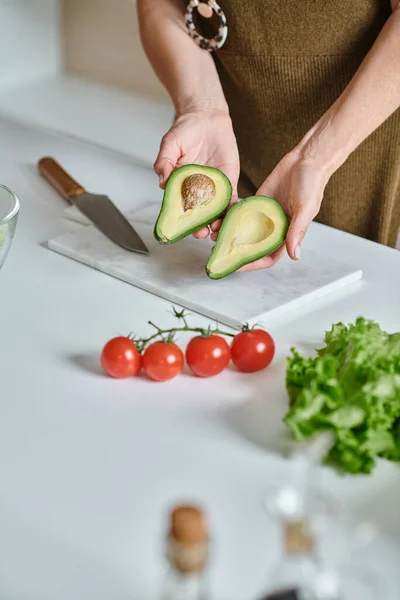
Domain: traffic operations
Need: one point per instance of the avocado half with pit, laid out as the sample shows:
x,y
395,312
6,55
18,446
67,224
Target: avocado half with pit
x,y
252,229
194,197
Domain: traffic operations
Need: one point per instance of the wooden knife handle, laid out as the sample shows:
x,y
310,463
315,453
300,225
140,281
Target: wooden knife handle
x,y
59,179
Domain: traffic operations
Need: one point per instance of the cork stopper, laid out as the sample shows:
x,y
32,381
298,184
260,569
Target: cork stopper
x,y
188,539
188,525
298,538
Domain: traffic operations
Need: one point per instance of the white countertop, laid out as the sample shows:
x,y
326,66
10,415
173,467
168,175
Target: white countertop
x,y
80,109
89,465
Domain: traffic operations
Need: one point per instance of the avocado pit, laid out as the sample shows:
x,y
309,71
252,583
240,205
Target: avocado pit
x,y
197,190
194,197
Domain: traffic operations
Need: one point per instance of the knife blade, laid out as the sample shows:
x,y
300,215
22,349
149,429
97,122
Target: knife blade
x,y
97,207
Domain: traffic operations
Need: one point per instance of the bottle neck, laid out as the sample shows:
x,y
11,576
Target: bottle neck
x,y
187,558
186,575
184,586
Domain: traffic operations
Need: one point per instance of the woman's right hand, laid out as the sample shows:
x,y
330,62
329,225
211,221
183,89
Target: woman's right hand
x,y
204,138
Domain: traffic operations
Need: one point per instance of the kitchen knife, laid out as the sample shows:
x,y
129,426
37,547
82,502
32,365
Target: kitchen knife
x,y
97,207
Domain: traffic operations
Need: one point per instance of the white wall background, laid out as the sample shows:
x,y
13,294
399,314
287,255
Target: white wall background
x,y
101,42
96,39
30,44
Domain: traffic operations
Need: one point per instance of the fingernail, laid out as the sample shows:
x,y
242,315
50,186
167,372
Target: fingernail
x,y
161,179
297,252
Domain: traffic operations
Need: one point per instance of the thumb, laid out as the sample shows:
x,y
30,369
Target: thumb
x,y
301,220
231,170
167,158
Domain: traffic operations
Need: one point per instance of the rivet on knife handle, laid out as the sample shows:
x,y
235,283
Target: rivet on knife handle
x,y
59,179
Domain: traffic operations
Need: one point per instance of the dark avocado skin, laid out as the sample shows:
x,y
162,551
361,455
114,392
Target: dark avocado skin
x,y
253,257
211,217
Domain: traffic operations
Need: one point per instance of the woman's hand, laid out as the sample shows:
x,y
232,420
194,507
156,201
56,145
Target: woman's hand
x,y
298,184
200,137
372,95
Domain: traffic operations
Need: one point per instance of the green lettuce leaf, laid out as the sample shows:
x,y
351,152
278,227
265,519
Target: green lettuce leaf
x,y
351,387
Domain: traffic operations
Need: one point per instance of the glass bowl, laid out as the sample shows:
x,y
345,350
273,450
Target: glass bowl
x,y
9,209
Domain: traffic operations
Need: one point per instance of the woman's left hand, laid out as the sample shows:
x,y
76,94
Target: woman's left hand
x,y
298,184
299,180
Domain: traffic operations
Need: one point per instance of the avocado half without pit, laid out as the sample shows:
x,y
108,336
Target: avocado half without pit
x,y
194,197
252,229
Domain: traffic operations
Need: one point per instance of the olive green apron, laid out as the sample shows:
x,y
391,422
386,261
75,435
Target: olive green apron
x,y
283,64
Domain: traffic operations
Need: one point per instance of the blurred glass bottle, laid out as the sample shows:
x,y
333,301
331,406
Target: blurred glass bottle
x,y
302,512
293,578
187,555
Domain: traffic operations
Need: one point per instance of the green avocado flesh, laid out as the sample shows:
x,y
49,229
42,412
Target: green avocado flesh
x,y
194,196
253,228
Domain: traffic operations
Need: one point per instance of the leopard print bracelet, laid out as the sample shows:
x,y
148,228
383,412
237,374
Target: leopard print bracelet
x,y
206,9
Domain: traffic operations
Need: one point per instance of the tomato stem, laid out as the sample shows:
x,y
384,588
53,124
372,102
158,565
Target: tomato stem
x,y
246,327
141,343
167,335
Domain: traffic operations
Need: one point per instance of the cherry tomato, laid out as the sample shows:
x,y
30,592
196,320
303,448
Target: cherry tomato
x,y
252,350
163,360
207,356
120,358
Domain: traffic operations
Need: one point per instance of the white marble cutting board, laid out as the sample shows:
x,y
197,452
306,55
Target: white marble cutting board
x,y
177,273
